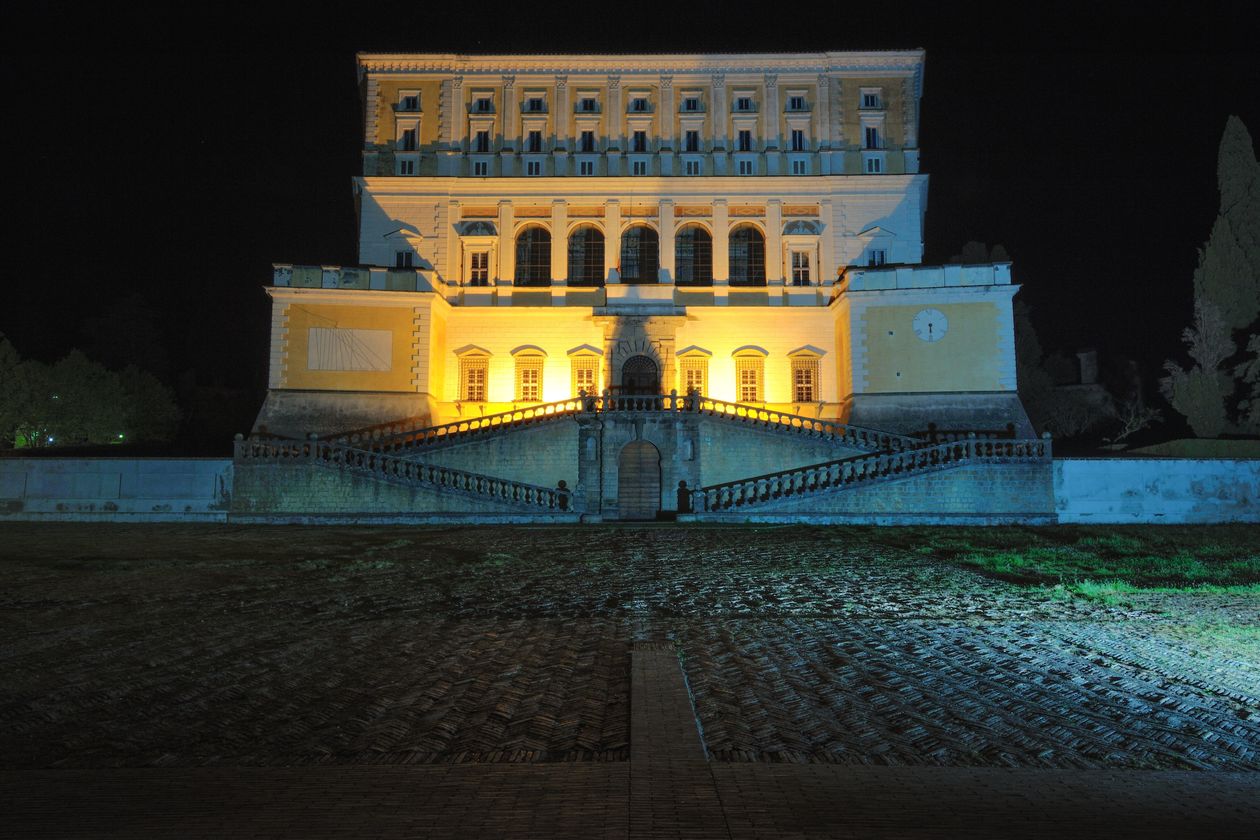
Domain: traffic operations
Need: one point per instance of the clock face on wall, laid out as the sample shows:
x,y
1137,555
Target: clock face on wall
x,y
930,324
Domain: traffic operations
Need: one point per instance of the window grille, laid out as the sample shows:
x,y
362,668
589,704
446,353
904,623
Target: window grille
x,y
747,257
585,375
804,380
529,371
748,377
640,255
693,374
479,268
533,257
473,372
586,257
693,256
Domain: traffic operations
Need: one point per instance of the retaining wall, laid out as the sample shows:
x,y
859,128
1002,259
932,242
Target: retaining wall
x,y
124,489
1156,490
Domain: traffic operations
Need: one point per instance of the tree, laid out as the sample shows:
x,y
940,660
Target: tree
x,y
151,414
1249,373
17,394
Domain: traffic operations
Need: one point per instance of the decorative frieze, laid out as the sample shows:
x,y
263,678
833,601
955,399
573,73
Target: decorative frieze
x,y
587,212
800,210
533,212
692,210
475,212
746,210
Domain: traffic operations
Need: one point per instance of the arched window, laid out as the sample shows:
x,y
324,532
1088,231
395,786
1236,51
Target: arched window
x,y
533,257
586,257
748,257
640,255
693,256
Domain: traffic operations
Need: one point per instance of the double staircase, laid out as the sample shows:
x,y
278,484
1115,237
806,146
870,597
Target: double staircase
x,y
394,453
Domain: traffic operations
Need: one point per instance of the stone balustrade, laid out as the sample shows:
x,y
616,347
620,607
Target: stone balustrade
x,y
841,433
878,278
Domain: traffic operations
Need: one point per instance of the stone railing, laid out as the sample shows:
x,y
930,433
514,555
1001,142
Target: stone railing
x,y
934,435
399,438
865,469
841,433
384,467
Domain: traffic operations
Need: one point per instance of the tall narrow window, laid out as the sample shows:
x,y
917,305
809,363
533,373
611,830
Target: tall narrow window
x,y
403,259
407,142
588,141
483,142
691,141
804,379
640,141
479,268
693,256
749,373
533,257
533,142
586,257
693,374
744,140
473,372
798,140
585,375
640,255
747,257
800,268
872,137
529,370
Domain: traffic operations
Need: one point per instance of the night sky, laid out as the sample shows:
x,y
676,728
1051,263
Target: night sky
x,y
178,158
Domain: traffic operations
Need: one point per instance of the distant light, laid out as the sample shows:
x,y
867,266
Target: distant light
x,y
50,438
120,437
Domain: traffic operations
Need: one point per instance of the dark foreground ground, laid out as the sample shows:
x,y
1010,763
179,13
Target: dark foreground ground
x,y
203,650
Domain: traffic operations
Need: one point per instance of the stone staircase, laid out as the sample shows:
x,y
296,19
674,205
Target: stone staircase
x,y
863,470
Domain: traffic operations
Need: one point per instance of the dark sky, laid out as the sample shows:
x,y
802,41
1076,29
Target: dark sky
x,y
177,158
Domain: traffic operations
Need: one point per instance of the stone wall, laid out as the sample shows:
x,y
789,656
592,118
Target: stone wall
x,y
125,489
730,450
544,454
1157,490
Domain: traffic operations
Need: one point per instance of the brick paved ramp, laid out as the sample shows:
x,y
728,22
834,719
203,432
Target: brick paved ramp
x,y
666,789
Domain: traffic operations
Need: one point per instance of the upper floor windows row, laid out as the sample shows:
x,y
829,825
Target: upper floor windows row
x,y
688,103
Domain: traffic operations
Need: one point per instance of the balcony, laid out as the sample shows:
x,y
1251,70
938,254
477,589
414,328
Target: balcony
x,y
287,275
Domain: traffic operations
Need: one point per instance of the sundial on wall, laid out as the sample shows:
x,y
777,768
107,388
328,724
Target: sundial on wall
x,y
930,325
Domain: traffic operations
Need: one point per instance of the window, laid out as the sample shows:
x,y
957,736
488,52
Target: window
x,y
529,370
691,167
586,257
473,372
800,167
483,142
533,257
870,99
533,142
878,257
800,268
691,103
533,167
639,141
585,371
588,105
481,168
406,167
403,259
743,103
872,137
535,105
693,374
639,103
804,379
640,255
796,103
874,165
483,105
638,167
798,140
479,268
748,377
693,256
747,257
745,167
409,102
744,141
691,141
407,142
586,167
587,141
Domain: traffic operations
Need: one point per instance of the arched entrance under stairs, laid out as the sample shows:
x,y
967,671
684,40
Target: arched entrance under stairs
x,y
640,375
639,481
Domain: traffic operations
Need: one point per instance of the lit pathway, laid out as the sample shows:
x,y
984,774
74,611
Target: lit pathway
x,y
668,789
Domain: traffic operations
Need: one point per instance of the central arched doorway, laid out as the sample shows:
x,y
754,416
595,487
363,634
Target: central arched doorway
x,y
640,375
638,481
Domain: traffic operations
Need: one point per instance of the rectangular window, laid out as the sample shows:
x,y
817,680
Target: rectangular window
x,y
872,137
586,167
878,257
409,102
483,142
407,142
479,268
406,167
743,103
744,140
691,103
403,259
529,378
483,105
533,142
745,167
533,167
748,377
691,167
874,166
638,104
588,105
693,374
798,140
691,141
588,141
800,268
473,372
481,168
639,167
639,139
800,167
870,99
804,380
585,375
535,104
796,103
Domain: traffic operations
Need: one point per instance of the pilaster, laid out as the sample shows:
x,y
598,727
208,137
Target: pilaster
x,y
612,240
774,243
721,115
770,118
827,268
459,115
507,250
559,250
721,251
563,115
668,112
616,116
665,218
454,268
511,114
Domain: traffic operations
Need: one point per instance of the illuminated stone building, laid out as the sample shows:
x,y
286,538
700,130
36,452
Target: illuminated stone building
x,y
744,227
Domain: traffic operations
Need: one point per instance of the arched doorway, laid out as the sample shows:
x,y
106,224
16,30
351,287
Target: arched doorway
x,y
639,481
640,375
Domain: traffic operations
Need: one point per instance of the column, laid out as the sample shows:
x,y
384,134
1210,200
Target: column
x,y
615,121
720,120
456,116
827,245
721,244
453,271
665,216
507,246
612,240
561,118
774,242
559,248
511,113
770,118
665,120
